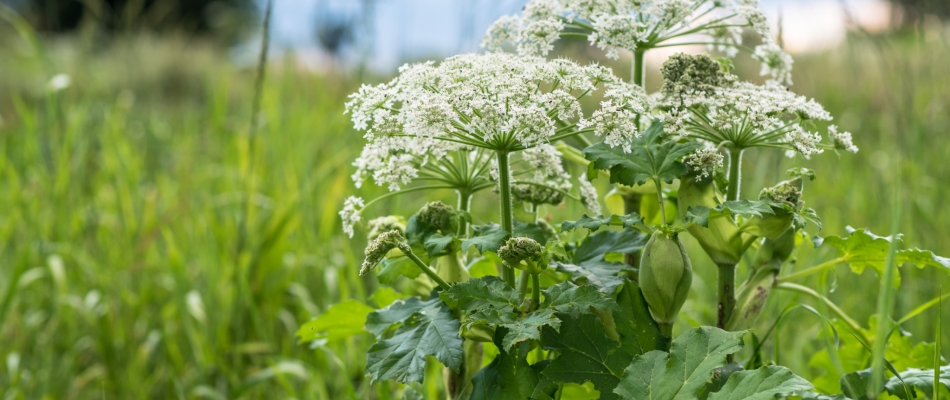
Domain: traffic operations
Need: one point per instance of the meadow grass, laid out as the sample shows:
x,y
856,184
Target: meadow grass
x,y
122,274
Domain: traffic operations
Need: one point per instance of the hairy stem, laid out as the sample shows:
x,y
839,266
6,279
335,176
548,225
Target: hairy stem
x,y
727,294
464,204
507,219
535,291
811,271
659,197
735,174
425,268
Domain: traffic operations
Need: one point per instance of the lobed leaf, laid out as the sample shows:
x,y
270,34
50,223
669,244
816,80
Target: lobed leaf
x,y
682,373
765,383
595,223
565,295
431,331
487,293
508,376
918,379
588,261
700,215
649,158
342,320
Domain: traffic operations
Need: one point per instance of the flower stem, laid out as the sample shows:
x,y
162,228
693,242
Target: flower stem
x,y
666,336
659,197
631,204
464,204
636,70
811,271
727,293
507,219
535,291
735,174
425,268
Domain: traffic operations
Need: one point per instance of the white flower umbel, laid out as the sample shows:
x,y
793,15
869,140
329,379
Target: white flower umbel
x,y
705,161
589,196
633,25
842,141
776,63
351,214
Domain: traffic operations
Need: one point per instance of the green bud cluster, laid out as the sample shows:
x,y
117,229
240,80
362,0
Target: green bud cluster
x,y
518,249
774,225
377,249
665,276
789,191
439,216
381,225
684,72
546,227
534,194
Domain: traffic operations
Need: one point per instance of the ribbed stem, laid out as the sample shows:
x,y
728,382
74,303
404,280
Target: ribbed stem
x,y
464,204
735,174
535,290
507,219
425,268
727,294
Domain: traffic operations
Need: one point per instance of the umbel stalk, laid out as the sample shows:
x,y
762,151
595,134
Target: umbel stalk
x,y
507,219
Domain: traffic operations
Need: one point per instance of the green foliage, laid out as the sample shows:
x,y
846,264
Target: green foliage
x,y
431,330
862,249
344,319
589,263
595,223
651,158
764,383
700,215
917,379
508,376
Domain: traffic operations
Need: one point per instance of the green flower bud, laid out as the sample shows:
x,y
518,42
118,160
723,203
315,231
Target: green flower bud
x,y
534,194
684,72
722,240
788,194
518,249
775,249
381,225
546,227
378,248
439,216
665,276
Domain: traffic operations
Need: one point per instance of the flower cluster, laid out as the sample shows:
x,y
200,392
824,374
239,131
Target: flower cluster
x,y
351,213
379,247
842,140
614,25
705,161
589,196
548,179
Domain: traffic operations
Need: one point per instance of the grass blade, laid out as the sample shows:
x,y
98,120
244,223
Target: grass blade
x,y
885,301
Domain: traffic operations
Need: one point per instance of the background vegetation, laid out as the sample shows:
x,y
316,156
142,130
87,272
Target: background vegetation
x,y
151,248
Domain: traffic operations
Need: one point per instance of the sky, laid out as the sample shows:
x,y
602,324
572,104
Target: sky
x,y
415,29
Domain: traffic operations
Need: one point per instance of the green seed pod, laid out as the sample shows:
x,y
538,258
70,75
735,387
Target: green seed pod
x,y
439,216
665,276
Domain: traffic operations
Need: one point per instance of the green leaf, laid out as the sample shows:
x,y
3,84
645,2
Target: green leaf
x,y
854,385
700,215
683,372
508,376
432,331
392,268
765,383
595,223
918,379
565,295
638,331
587,354
343,320
802,172
377,322
650,158
489,292
437,244
810,215
719,378
589,263
862,249
519,329
487,238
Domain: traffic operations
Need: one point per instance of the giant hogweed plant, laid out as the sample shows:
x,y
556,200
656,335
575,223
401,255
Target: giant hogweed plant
x,y
557,312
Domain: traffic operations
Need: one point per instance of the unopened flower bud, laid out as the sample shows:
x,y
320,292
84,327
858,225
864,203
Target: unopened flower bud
x,y
774,225
518,249
378,248
665,276
385,224
439,216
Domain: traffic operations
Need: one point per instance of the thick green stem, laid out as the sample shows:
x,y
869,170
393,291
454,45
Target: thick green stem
x,y
523,283
535,291
727,294
666,336
735,174
425,268
636,70
631,204
507,219
464,204
659,198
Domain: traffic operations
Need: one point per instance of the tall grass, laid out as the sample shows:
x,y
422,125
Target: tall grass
x,y
122,196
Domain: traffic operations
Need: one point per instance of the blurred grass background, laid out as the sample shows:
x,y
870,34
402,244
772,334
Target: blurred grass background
x,y
123,272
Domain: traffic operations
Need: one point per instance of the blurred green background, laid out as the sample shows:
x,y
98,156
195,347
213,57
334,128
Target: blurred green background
x,y
150,247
